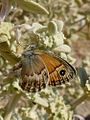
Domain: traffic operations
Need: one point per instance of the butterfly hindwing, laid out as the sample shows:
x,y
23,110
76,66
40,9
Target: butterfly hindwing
x,y
34,74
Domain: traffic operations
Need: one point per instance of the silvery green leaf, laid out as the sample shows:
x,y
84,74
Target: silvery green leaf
x,y
41,101
31,6
1,118
18,34
36,27
41,29
71,59
48,41
59,25
16,85
64,56
53,107
52,28
5,28
76,117
59,38
63,48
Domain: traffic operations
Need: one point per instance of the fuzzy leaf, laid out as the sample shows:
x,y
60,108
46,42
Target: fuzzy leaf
x,y
5,28
59,25
31,6
52,28
63,48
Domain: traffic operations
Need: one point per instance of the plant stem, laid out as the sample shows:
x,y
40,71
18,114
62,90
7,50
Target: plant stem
x,y
80,100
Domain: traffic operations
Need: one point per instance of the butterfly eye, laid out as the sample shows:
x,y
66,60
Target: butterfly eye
x,y
62,72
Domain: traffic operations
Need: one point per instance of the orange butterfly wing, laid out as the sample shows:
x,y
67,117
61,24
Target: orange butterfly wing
x,y
59,70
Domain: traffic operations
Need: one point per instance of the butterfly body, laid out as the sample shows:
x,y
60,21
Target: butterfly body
x,y
40,68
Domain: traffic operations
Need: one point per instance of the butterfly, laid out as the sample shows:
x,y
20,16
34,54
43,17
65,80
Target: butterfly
x,y
40,68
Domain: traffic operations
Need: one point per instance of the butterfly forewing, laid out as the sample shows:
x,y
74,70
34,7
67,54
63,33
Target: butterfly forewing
x,y
59,70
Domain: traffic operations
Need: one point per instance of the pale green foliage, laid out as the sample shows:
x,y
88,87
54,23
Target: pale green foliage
x,y
48,105
51,103
31,6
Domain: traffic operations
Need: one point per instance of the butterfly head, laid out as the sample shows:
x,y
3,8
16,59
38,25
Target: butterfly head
x,y
29,52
